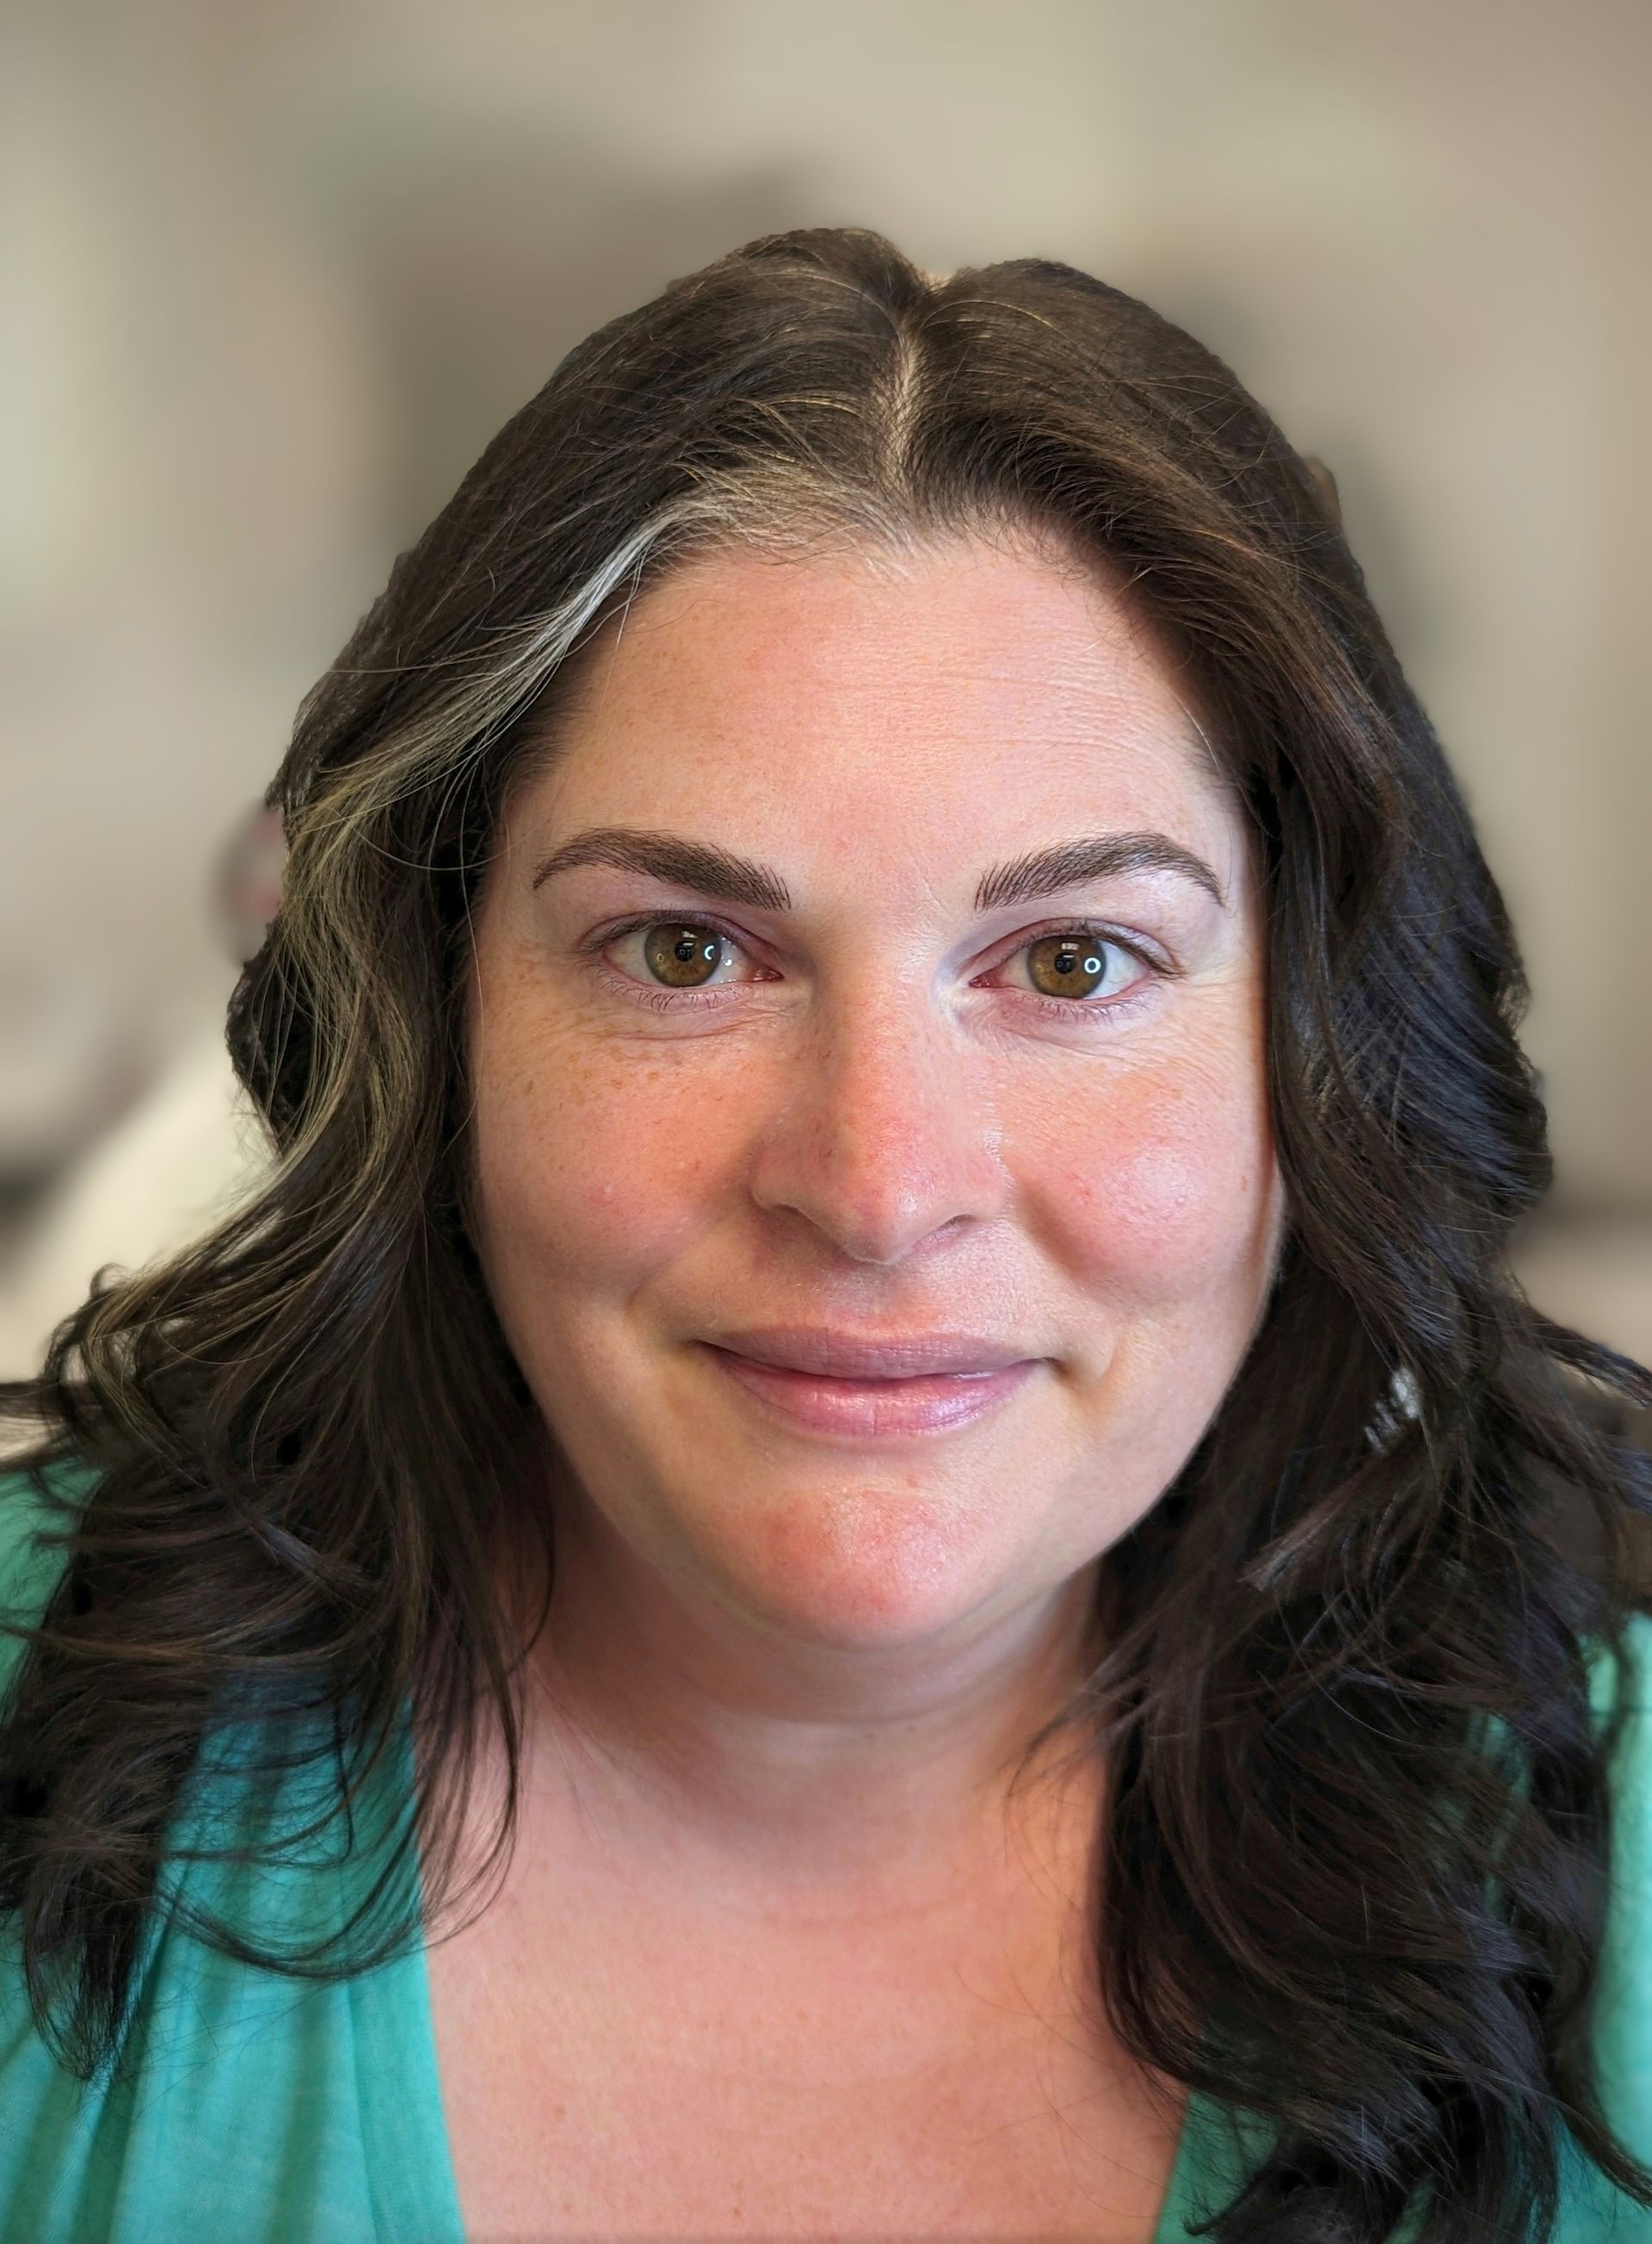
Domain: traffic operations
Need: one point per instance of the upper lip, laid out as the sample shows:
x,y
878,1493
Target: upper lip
x,y
851,1356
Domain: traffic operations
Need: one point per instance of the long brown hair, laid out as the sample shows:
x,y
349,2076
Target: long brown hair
x,y
1374,1584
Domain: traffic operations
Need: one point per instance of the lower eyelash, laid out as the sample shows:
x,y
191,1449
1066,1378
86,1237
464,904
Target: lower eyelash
x,y
672,1001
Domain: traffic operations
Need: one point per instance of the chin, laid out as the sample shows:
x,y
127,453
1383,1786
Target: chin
x,y
869,1566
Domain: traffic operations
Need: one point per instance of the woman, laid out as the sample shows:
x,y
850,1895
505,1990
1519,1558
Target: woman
x,y
878,1364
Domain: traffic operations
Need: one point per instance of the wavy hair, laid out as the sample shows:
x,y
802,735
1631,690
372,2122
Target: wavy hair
x,y
1373,1587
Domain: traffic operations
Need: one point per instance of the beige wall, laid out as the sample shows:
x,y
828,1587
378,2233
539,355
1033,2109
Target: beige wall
x,y
277,272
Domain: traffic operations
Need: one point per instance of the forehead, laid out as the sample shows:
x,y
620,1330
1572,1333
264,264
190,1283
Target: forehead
x,y
966,681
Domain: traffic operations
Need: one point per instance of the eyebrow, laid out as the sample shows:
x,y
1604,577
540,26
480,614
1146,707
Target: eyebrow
x,y
710,871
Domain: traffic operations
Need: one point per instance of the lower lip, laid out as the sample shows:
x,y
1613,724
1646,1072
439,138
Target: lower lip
x,y
872,1408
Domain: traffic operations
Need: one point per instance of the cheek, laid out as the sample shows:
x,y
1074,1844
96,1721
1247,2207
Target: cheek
x,y
584,1165
1165,1181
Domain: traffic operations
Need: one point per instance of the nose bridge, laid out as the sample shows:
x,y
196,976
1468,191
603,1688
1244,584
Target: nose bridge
x,y
888,1131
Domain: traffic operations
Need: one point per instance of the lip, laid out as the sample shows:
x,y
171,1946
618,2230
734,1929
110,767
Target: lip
x,y
874,1408
856,1355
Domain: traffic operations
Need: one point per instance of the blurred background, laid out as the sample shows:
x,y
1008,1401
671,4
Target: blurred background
x,y
275,273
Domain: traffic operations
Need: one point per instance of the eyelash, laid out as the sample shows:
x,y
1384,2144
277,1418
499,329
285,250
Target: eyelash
x,y
671,1001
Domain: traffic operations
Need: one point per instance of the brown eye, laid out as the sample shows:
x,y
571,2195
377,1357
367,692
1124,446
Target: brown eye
x,y
681,955
1067,965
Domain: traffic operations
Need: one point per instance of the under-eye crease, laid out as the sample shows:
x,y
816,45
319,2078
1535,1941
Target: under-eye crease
x,y
1159,968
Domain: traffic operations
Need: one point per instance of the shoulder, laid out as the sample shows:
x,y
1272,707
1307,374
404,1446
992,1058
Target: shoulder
x,y
1620,1685
1623,2000
37,1513
1621,1680
1628,1677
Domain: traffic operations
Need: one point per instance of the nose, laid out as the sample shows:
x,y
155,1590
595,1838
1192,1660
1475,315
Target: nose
x,y
885,1135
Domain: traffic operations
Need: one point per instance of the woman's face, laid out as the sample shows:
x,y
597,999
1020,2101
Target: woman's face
x,y
872,1088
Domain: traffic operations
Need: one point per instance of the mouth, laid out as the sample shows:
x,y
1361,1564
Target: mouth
x,y
863,1409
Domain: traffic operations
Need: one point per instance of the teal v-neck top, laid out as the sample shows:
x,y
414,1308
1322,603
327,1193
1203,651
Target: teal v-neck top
x,y
279,2110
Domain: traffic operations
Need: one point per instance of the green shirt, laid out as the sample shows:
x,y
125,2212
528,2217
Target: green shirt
x,y
279,2110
